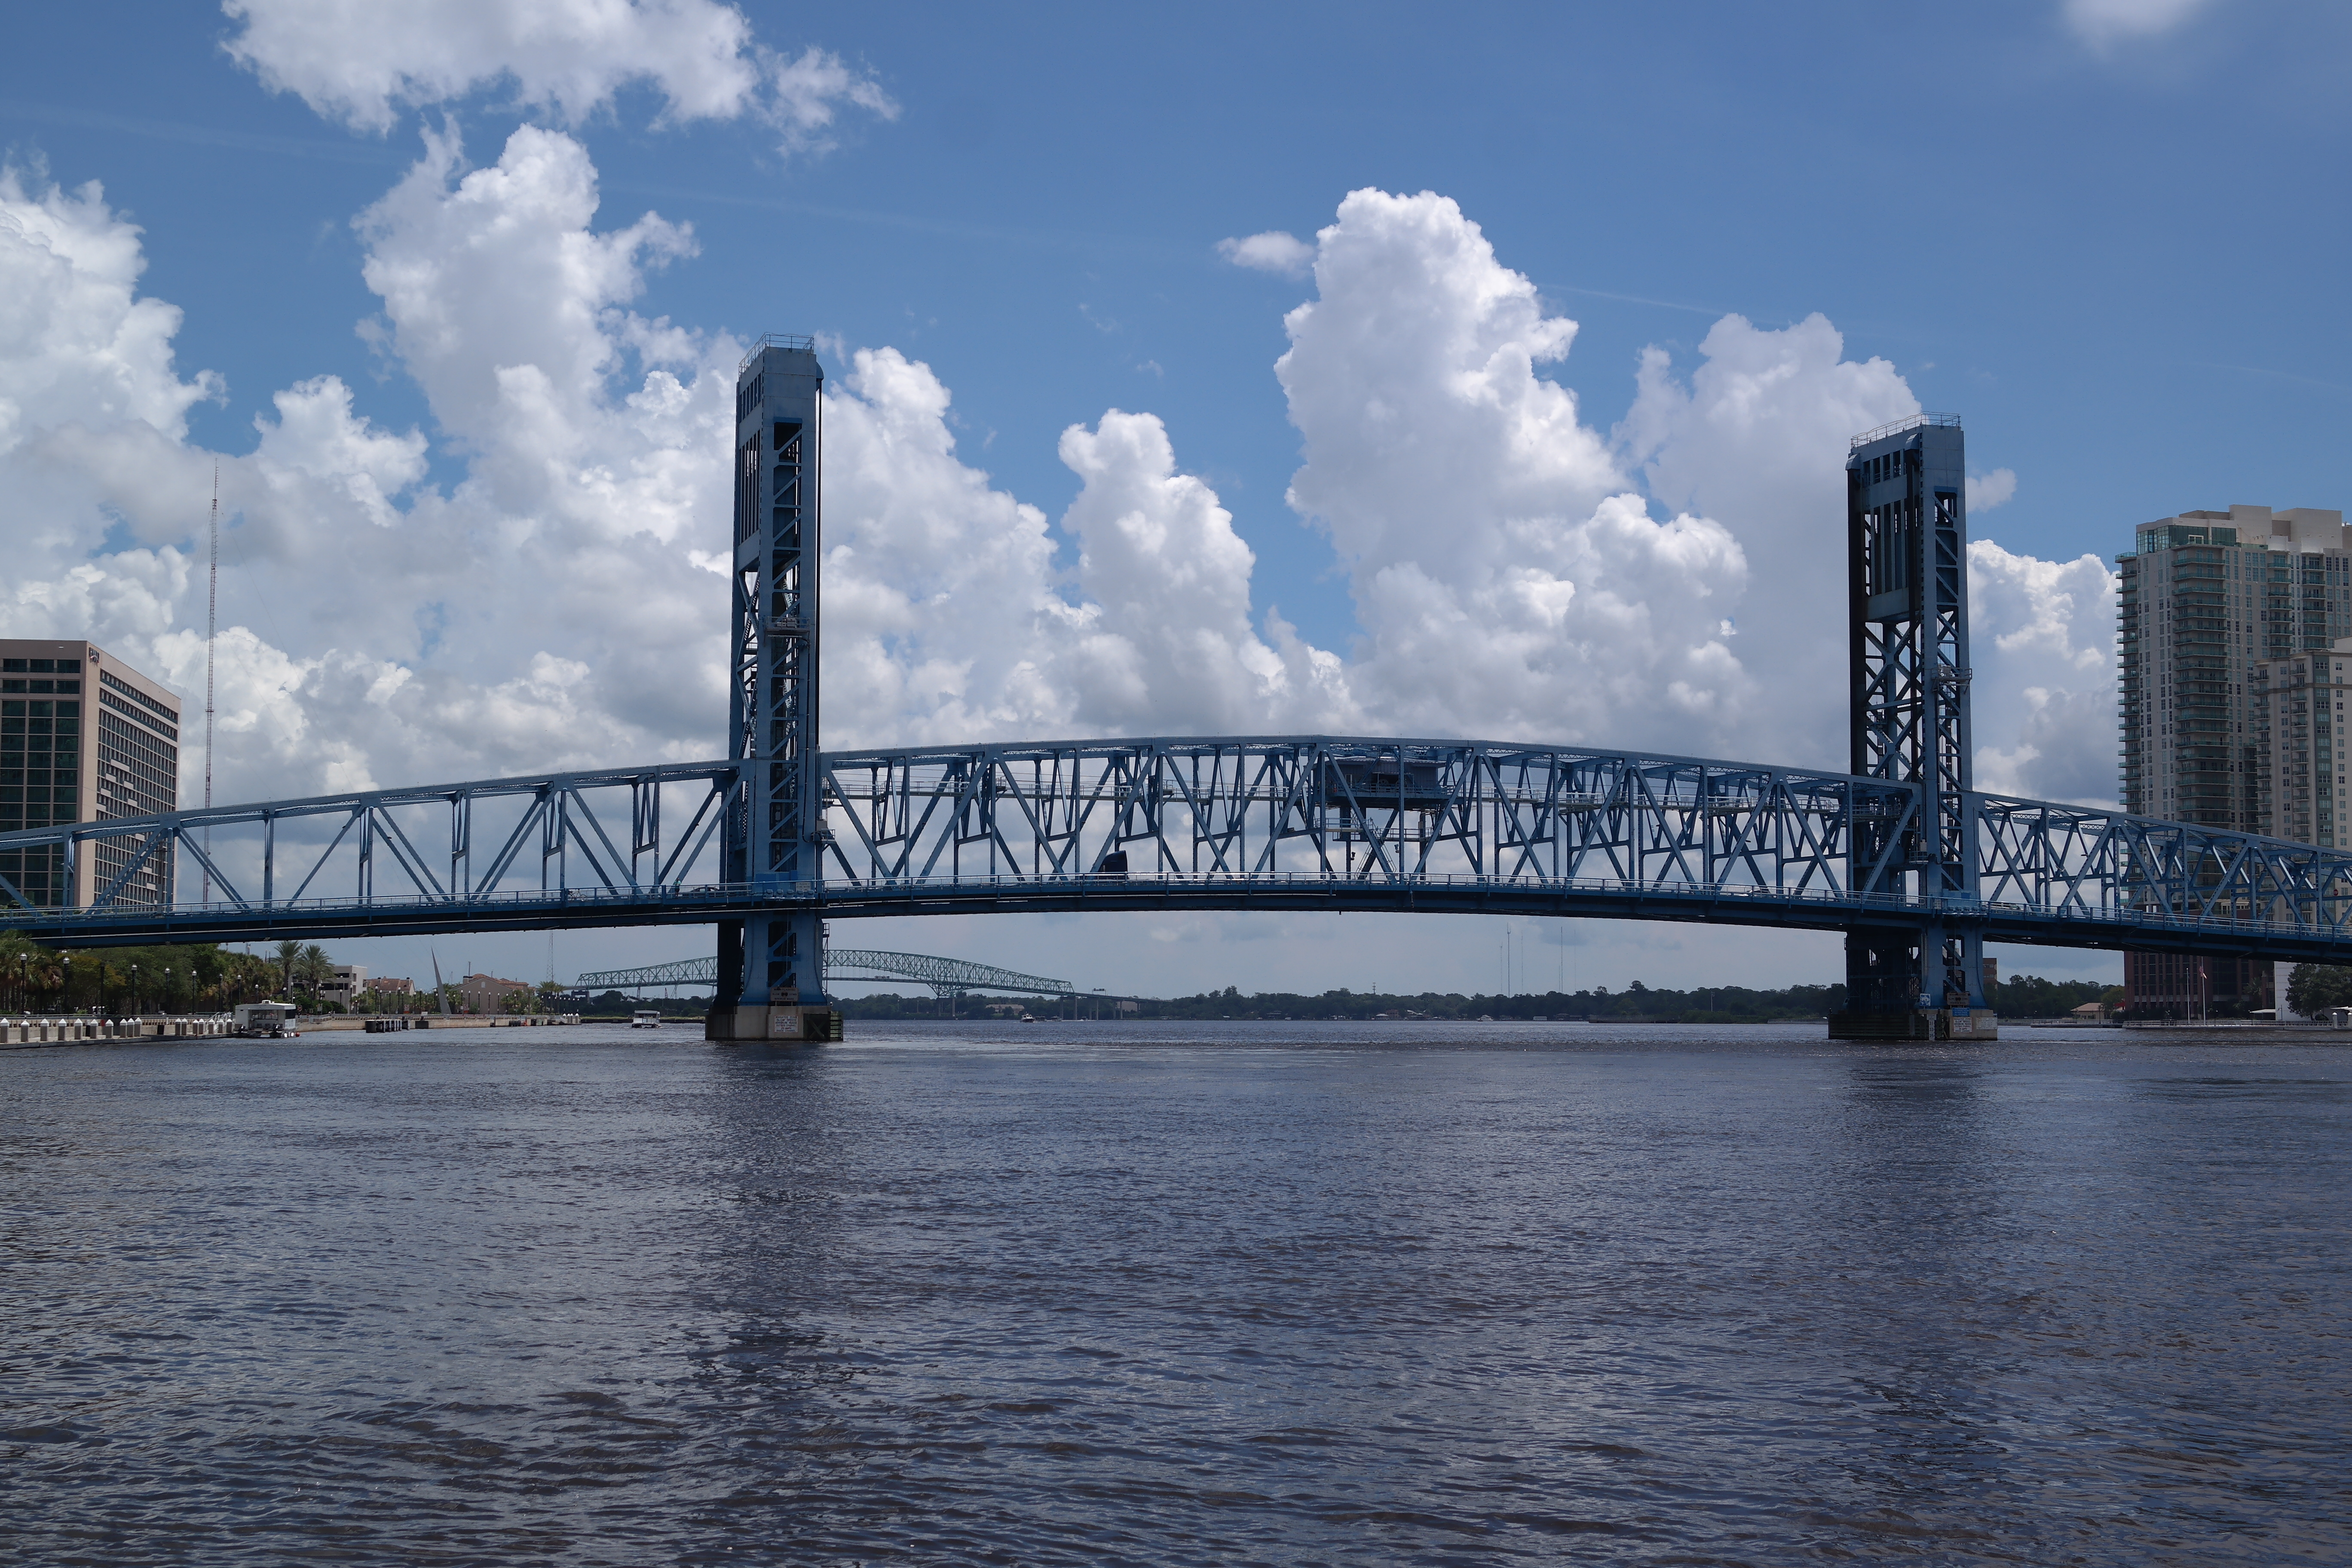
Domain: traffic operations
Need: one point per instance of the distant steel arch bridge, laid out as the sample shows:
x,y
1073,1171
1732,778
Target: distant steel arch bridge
x,y
944,976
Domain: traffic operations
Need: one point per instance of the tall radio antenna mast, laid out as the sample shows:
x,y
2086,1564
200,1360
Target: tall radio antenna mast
x,y
212,626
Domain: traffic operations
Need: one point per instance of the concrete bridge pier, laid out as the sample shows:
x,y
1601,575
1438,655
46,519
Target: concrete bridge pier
x,y
772,982
1916,983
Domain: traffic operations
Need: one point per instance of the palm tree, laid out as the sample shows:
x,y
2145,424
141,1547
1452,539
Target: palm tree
x,y
314,969
289,954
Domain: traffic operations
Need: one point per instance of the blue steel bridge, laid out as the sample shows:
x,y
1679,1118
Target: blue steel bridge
x,y
1901,853
1279,822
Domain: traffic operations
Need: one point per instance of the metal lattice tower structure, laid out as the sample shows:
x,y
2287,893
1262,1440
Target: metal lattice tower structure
x,y
774,837
1907,595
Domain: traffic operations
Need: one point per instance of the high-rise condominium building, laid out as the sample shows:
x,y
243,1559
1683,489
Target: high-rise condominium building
x,y
2208,599
2206,595
2298,718
83,737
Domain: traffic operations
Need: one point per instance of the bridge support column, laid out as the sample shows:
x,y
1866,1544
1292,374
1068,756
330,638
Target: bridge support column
x,y
778,989
1907,616
774,835
1916,983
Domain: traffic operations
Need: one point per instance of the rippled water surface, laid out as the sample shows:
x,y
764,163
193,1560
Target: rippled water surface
x,y
1175,1294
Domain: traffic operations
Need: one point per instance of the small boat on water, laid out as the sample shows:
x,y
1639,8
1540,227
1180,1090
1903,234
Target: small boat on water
x,y
644,1019
266,1021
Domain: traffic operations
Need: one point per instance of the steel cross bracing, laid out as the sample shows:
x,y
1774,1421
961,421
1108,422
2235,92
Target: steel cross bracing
x,y
945,976
1285,822
516,853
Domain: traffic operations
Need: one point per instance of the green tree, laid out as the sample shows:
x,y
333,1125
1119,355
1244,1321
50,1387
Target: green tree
x,y
2313,988
289,954
26,968
313,969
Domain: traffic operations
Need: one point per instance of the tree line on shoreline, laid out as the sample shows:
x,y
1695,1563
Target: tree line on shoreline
x,y
197,977
2025,996
181,977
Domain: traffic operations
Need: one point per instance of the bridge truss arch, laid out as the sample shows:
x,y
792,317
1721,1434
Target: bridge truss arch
x,y
1269,822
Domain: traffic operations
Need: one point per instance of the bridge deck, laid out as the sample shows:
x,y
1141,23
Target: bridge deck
x,y
592,908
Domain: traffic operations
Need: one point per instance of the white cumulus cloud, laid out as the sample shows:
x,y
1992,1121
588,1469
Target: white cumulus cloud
x,y
1755,437
1275,251
1170,642
1509,580
2042,649
361,63
1987,491
78,346
945,618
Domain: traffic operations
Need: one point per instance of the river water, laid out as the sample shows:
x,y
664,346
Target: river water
x,y
1174,1294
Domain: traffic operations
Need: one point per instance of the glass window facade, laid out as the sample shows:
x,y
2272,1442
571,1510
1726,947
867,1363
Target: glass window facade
x,y
81,740
40,785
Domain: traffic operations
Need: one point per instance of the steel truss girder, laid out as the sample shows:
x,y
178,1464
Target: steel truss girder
x,y
1362,810
354,859
1289,822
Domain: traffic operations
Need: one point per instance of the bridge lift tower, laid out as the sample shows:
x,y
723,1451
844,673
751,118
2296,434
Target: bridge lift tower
x,y
1908,598
770,980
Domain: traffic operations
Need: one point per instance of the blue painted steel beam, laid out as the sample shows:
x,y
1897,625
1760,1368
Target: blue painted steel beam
x,y
1276,822
704,906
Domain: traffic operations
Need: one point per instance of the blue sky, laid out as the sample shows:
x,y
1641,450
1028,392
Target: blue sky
x,y
2108,234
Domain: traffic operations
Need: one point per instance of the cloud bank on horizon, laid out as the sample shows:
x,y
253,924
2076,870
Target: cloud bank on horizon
x,y
1518,570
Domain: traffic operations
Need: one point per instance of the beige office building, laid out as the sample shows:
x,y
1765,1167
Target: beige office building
x,y
83,738
345,984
